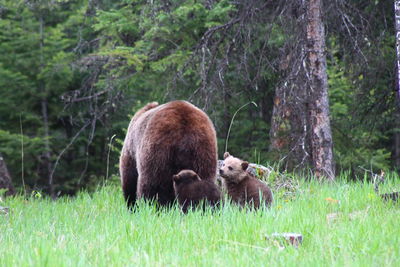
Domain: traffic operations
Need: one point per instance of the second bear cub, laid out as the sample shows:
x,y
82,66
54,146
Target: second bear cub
x,y
190,190
241,186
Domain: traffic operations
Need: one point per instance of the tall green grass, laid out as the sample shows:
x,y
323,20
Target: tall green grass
x,y
97,230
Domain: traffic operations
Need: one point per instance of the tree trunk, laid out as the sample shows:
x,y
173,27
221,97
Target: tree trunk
x,y
321,135
5,178
300,127
397,97
44,107
397,135
289,125
289,136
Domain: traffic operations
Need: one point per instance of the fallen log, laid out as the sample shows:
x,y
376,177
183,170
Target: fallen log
x,y
259,171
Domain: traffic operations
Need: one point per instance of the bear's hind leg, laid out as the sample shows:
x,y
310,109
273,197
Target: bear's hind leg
x,y
129,177
162,192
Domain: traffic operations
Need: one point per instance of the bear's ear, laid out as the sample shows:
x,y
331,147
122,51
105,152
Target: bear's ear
x,y
226,154
245,164
175,177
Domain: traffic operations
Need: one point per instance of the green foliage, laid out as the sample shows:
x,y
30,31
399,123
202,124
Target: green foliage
x,y
21,150
38,41
246,138
154,42
356,144
115,56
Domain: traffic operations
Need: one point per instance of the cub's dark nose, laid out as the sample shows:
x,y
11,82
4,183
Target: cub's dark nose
x,y
221,171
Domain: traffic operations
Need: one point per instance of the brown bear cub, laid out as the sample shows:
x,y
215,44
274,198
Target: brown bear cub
x,y
243,187
191,190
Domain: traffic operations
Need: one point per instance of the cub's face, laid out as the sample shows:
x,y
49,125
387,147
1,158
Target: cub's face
x,y
185,176
233,169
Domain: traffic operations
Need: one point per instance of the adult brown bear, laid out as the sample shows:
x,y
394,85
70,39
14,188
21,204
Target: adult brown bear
x,y
161,141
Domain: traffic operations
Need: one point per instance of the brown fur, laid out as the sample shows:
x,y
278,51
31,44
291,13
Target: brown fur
x,y
241,186
190,190
160,142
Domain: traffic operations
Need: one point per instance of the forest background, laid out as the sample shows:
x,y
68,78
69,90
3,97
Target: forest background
x,y
73,72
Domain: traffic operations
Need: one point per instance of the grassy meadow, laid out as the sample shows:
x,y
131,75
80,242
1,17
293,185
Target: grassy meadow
x,y
97,230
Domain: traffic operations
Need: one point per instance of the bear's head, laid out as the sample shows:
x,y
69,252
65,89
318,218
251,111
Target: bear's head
x,y
185,176
233,169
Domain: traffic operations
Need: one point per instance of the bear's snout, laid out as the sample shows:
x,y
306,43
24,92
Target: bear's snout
x,y
221,171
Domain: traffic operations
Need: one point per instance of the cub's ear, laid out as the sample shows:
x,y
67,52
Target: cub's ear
x,y
175,178
245,164
226,154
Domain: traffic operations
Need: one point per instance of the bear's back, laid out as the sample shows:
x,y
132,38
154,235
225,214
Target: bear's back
x,y
177,122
